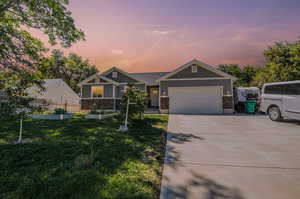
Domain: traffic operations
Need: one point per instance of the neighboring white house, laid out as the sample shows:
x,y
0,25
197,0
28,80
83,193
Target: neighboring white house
x,y
57,94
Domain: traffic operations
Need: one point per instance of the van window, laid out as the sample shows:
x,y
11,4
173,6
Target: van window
x,y
293,89
275,89
284,89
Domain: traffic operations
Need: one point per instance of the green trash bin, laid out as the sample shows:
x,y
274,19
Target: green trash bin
x,y
250,106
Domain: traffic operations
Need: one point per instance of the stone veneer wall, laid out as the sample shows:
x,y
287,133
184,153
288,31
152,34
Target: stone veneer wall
x,y
227,102
164,103
101,104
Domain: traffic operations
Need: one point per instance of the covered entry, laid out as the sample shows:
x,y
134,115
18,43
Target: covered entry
x,y
195,100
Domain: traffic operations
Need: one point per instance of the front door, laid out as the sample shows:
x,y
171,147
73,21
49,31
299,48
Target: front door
x,y
154,96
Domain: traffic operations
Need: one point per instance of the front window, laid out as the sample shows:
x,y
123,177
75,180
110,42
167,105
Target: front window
x,y
97,91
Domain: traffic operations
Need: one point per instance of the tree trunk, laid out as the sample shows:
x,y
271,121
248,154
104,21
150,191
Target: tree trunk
x,y
21,129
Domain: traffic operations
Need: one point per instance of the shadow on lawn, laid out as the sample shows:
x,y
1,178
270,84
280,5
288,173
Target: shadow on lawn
x,y
203,188
110,162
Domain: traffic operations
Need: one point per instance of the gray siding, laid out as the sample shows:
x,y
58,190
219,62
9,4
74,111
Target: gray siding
x,y
187,73
226,83
86,91
108,90
121,78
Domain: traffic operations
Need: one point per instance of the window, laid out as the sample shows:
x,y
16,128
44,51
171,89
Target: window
x,y
293,89
275,89
194,68
97,92
115,74
284,89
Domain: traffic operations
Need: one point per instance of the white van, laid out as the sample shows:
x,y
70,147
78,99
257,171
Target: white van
x,y
281,100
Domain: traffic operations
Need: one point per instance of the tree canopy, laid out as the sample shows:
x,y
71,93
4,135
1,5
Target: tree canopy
x,y
13,94
20,52
282,63
72,69
19,49
245,74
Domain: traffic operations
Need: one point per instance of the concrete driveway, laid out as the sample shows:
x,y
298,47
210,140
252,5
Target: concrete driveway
x,y
231,157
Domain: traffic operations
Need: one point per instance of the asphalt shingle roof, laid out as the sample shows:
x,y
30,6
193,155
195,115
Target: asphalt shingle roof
x,y
148,78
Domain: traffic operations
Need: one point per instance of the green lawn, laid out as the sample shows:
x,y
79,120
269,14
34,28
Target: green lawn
x,y
81,158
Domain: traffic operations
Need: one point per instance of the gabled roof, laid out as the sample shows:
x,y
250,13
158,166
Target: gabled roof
x,y
99,76
148,78
201,64
56,91
119,70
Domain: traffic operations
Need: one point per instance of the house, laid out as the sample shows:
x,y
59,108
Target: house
x,y
193,88
57,94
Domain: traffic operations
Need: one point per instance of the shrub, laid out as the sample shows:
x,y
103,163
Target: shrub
x,y
59,111
94,110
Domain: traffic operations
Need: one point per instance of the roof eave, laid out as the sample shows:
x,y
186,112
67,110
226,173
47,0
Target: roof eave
x,y
119,70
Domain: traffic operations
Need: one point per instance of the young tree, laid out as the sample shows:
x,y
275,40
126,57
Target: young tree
x,y
14,102
138,98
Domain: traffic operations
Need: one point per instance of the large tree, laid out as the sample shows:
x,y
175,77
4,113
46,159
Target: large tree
x,y
20,52
282,63
72,69
245,74
19,49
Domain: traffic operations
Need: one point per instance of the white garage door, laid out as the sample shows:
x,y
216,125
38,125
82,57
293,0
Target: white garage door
x,y
195,100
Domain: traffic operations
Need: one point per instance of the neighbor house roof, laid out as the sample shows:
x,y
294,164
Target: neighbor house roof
x,y
148,78
56,91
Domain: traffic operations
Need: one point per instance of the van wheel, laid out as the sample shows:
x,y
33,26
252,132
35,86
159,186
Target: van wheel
x,y
275,114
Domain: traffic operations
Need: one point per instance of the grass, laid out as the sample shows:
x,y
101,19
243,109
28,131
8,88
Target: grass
x,y
80,158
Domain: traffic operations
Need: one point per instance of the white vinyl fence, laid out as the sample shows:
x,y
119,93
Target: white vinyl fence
x,y
100,117
51,106
52,116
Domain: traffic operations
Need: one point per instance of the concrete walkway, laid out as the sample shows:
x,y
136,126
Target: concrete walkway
x,y
231,157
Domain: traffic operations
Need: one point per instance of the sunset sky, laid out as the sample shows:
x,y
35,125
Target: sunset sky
x,y
160,35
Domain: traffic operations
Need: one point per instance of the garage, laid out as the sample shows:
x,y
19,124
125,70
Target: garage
x,y
196,100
